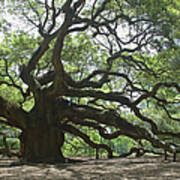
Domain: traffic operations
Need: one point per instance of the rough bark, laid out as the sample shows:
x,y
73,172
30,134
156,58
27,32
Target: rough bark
x,y
42,144
42,140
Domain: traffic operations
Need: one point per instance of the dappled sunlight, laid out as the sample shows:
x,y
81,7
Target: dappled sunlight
x,y
115,169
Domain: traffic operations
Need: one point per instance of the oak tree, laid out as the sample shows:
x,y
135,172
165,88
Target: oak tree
x,y
101,64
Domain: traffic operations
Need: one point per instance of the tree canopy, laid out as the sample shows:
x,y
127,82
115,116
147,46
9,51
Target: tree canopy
x,y
109,65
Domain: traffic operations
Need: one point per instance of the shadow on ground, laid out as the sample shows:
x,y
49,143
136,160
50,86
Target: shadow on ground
x,y
145,168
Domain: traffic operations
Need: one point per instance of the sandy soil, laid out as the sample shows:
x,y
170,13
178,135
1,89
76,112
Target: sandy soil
x,y
144,168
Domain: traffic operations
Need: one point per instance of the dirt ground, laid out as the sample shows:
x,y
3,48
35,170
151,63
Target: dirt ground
x,y
150,168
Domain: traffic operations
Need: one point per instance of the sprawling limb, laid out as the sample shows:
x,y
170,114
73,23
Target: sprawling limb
x,y
76,132
139,152
111,118
101,130
15,116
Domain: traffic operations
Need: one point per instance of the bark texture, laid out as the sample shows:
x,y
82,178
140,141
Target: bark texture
x,y
42,144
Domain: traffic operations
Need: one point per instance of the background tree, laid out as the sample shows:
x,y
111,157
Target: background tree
x,y
104,65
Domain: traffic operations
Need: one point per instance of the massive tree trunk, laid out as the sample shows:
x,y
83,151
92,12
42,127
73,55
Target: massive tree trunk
x,y
42,144
43,138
